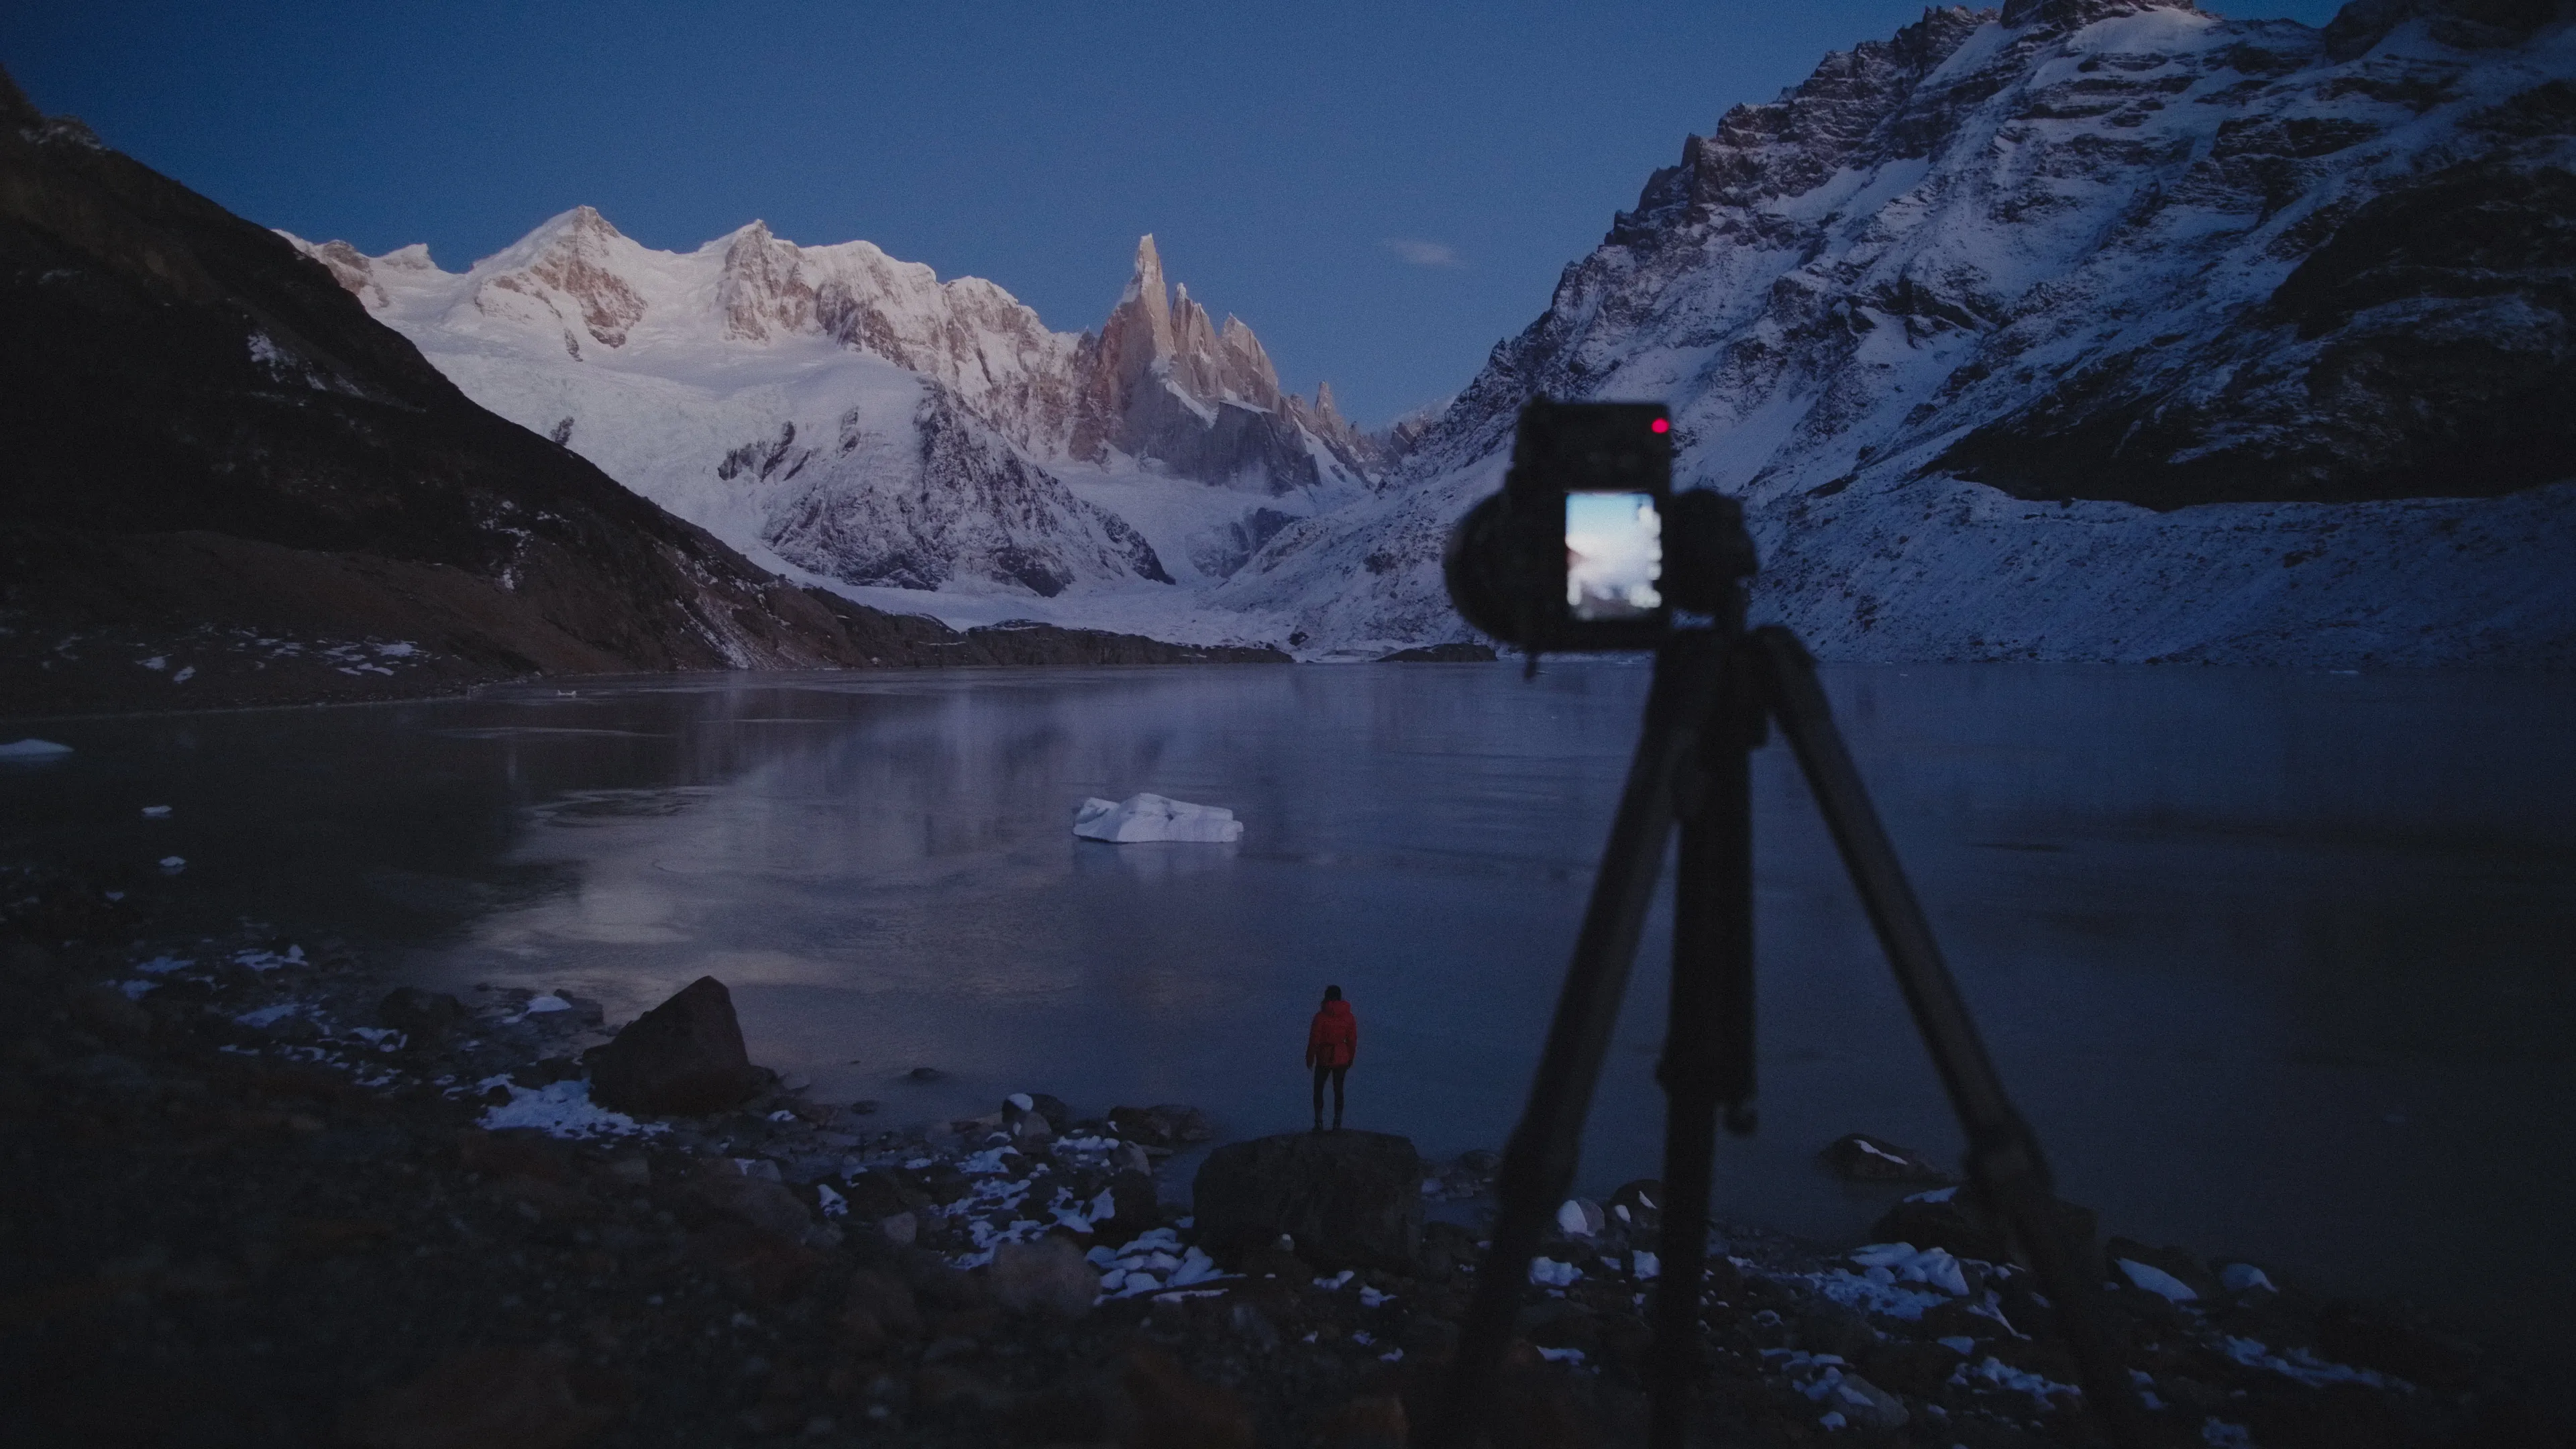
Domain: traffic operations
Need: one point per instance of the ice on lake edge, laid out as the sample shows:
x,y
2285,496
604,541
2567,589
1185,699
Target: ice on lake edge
x,y
33,749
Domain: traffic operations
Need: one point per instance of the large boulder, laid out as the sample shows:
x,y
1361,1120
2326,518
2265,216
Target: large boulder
x,y
1347,1199
1163,1127
1048,1276
685,1055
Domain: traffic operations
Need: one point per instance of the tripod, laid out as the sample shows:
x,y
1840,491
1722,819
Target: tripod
x,y
1713,691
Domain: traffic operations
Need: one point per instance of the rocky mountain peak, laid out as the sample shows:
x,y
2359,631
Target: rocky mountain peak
x,y
763,288
1163,380
2071,14
576,258
15,109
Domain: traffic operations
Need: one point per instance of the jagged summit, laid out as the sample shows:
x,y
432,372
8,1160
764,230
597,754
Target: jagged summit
x,y
1161,383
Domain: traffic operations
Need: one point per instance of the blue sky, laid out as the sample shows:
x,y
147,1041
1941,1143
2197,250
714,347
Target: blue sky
x,y
1382,190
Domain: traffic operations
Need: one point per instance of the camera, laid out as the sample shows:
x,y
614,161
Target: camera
x,y
1587,547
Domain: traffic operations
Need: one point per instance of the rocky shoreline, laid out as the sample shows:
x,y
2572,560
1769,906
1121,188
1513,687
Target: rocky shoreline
x,y
252,1198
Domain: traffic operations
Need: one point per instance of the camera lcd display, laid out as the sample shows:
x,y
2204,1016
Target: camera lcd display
x,y
1614,556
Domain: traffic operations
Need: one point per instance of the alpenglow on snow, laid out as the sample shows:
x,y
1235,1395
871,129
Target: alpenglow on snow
x,y
2093,329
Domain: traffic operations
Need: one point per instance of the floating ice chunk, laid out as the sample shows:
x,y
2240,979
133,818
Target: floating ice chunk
x,y
2237,1277
268,1016
1579,1218
32,750
1371,1298
1334,1283
548,1003
1392,1355
156,812
162,965
1958,1343
1561,1355
134,989
186,673
1152,817
1553,1273
173,864
1648,1265
2157,1281
1938,1194
834,1205
1023,1101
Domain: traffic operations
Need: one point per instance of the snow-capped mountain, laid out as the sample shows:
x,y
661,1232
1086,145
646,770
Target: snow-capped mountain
x,y
2090,329
850,417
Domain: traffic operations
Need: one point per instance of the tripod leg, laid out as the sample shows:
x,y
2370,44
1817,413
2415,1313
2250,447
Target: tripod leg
x,y
2004,1158
1538,1161
1708,1043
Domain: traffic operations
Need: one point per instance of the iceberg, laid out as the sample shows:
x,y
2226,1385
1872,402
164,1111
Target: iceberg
x,y
32,750
1151,817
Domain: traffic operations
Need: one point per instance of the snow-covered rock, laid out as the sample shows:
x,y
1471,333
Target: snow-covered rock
x,y
1152,817
851,419
2097,329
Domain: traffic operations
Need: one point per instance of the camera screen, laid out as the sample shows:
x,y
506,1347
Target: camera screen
x,y
1614,555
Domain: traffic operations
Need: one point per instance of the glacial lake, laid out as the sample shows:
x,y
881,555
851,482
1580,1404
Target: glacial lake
x,y
2278,963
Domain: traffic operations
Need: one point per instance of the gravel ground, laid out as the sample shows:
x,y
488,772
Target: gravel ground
x,y
243,1204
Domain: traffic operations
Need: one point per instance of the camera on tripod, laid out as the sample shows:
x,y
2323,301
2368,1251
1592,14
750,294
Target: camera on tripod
x,y
1587,546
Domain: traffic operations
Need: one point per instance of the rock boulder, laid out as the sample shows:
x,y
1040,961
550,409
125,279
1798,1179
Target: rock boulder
x,y
685,1055
1047,1276
1166,1126
1348,1199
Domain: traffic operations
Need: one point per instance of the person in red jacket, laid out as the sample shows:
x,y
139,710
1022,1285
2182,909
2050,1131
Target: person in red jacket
x,y
1331,1042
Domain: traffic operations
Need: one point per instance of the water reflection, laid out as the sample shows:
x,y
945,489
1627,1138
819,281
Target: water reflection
x,y
2275,962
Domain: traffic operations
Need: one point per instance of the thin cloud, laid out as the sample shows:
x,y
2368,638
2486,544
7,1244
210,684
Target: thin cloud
x,y
1424,253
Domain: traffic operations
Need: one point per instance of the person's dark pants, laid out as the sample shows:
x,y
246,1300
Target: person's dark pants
x,y
1336,1073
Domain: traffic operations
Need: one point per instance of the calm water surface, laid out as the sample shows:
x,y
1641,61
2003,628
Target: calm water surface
x,y
2277,963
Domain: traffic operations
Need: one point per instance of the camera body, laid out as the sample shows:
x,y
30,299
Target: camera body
x,y
1587,547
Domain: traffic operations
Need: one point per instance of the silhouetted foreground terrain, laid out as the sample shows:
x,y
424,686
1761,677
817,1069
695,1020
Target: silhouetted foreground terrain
x,y
253,1199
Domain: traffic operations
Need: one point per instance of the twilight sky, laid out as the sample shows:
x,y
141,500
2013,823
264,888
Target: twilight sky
x,y
1383,190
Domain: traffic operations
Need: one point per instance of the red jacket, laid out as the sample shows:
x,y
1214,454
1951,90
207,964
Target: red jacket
x,y
1334,1038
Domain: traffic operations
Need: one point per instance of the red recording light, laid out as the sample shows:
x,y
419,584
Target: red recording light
x,y
1661,426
